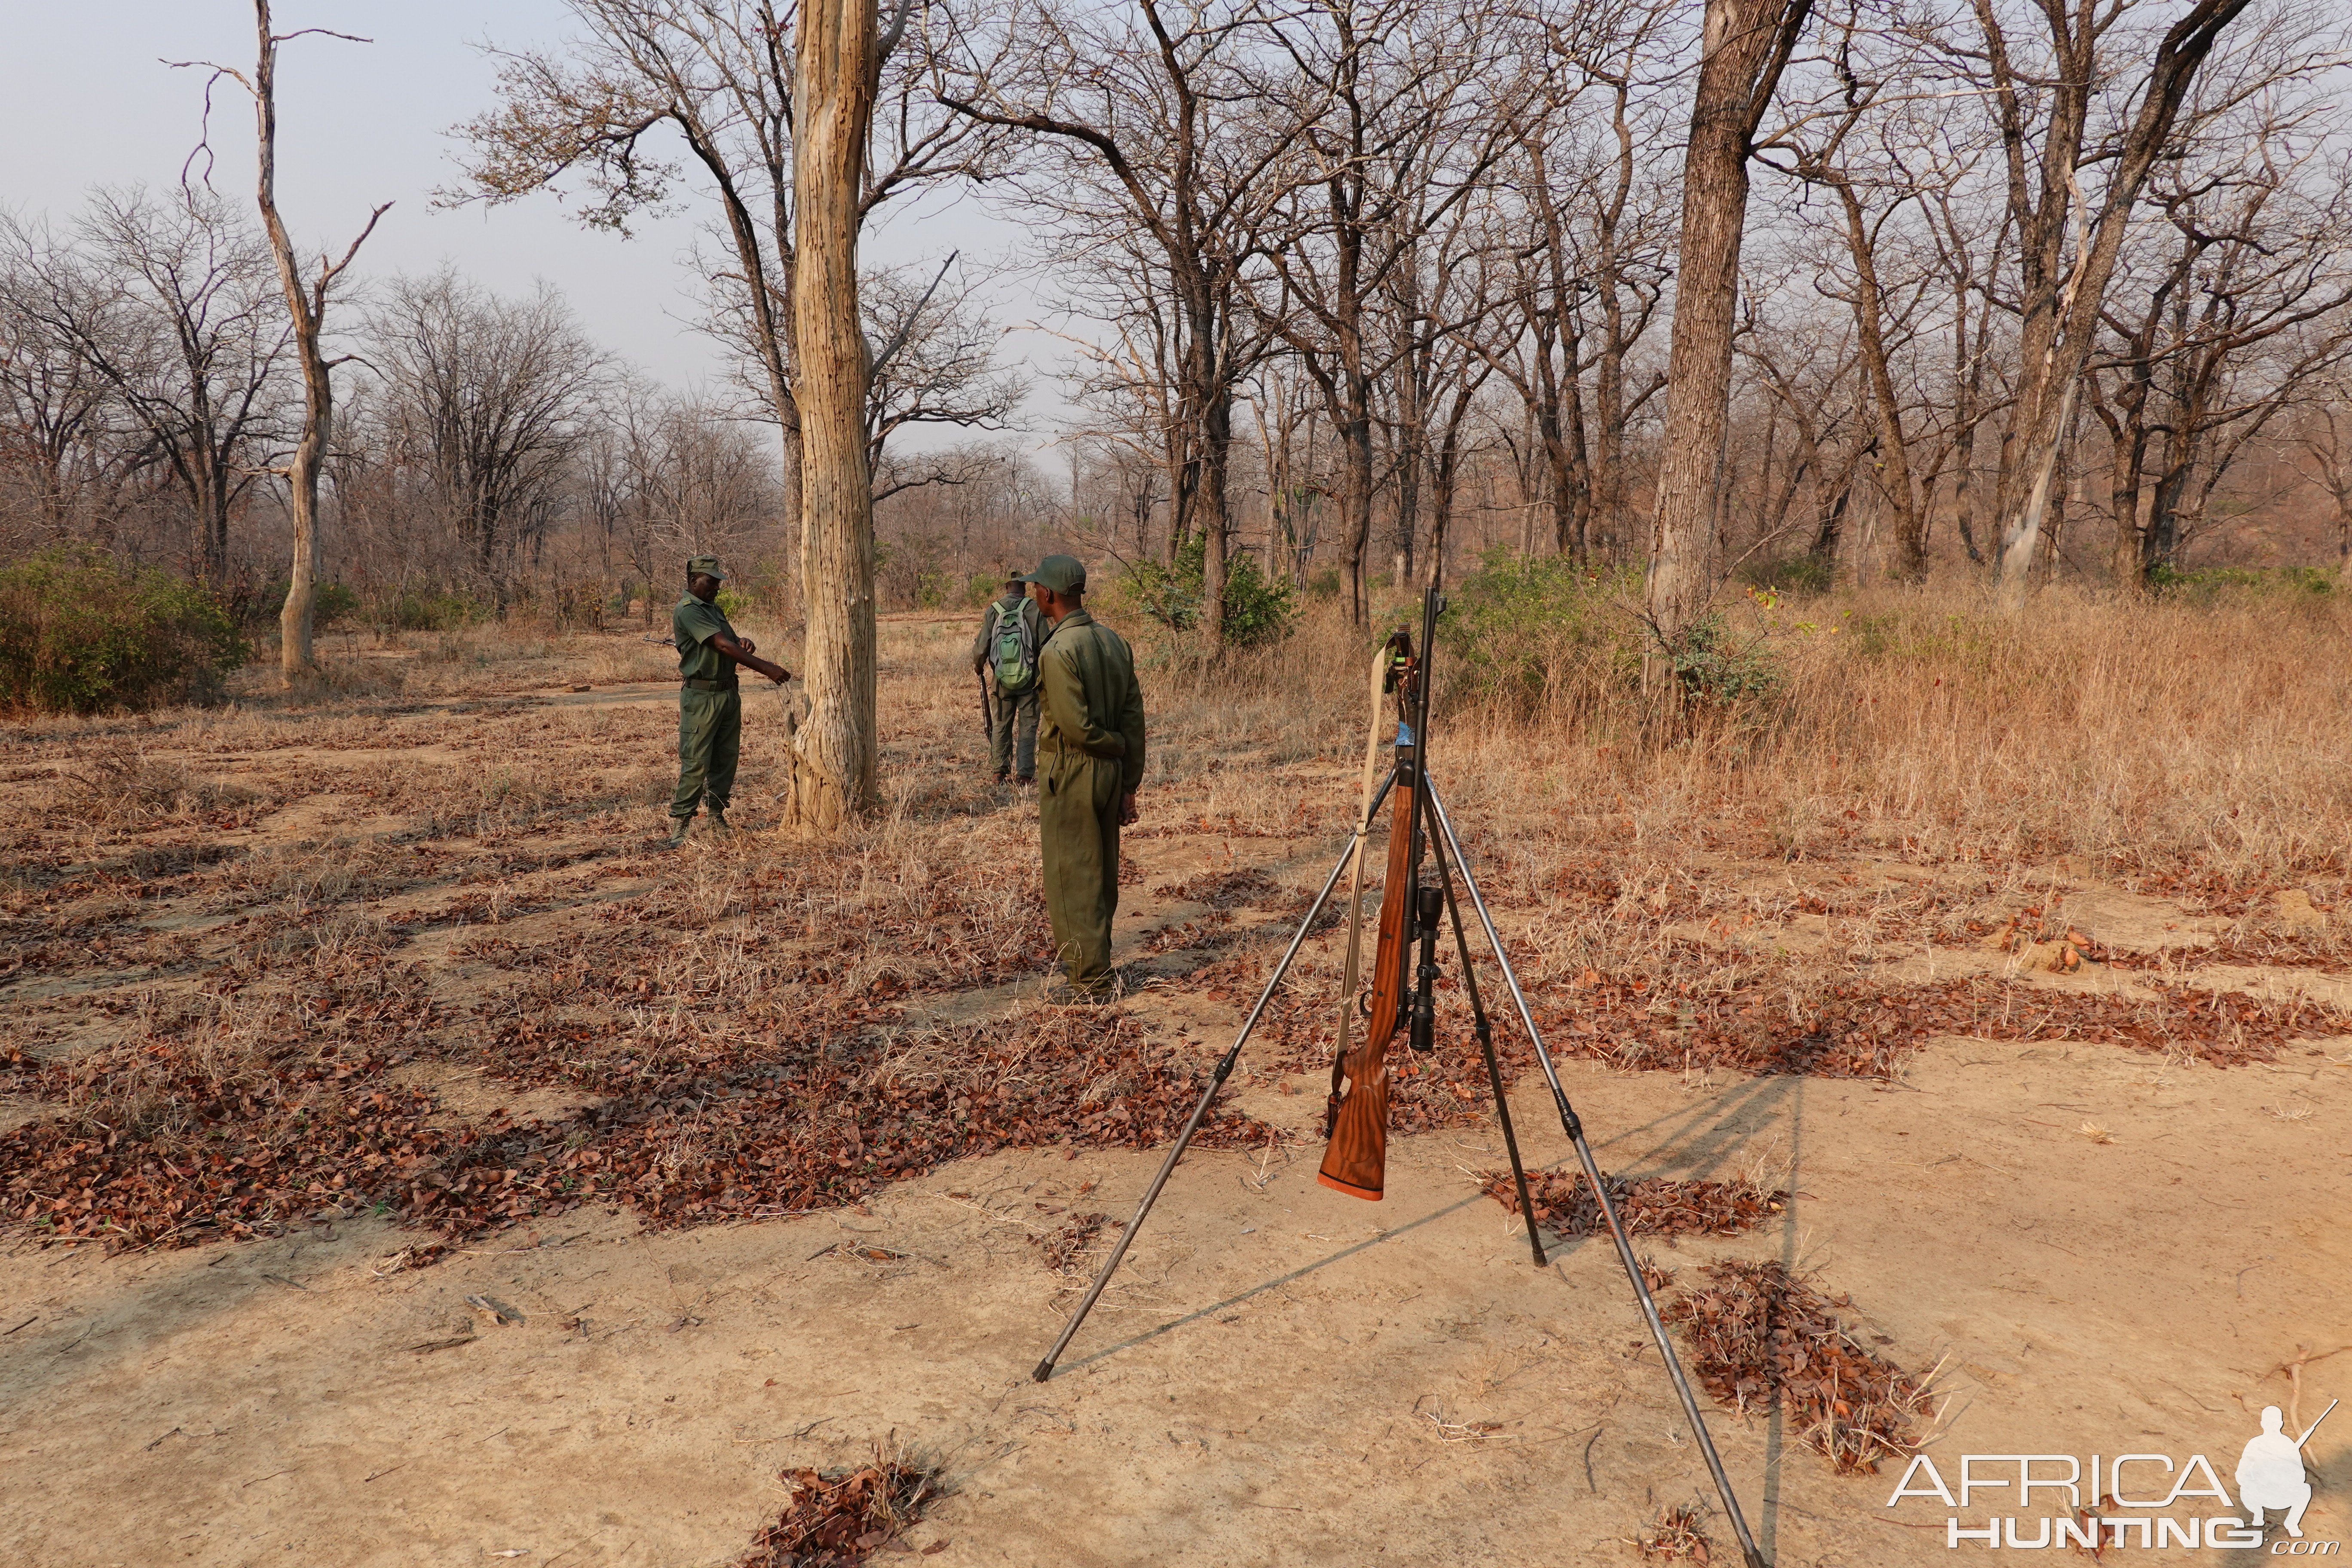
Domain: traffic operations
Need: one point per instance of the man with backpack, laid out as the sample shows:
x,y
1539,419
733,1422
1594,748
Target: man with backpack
x,y
1010,634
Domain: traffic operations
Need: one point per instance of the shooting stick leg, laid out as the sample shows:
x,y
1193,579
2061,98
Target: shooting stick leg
x,y
1217,1082
1575,1129
1486,1043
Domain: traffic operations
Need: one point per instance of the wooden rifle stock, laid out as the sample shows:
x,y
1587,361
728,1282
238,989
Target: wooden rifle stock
x,y
1356,1162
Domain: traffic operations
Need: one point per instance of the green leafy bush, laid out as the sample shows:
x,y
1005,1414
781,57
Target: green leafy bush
x,y
79,634
1718,670
940,588
1259,610
414,610
1531,631
336,602
1804,573
2211,583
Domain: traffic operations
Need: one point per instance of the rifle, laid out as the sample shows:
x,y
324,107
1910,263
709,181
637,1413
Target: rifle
x,y
987,716
1357,1123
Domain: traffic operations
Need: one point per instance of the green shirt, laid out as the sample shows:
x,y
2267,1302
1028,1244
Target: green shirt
x,y
693,624
1090,698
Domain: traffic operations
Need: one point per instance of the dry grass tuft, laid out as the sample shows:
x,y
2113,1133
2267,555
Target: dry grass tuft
x,y
119,788
1063,1247
1677,1537
2203,748
837,1518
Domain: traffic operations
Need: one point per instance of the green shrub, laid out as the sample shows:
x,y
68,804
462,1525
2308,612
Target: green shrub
x,y
336,602
938,588
1324,585
1259,609
1719,670
1805,573
79,634
2211,583
1532,630
414,610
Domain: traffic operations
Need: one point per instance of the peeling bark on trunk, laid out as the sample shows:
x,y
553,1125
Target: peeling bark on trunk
x,y
834,750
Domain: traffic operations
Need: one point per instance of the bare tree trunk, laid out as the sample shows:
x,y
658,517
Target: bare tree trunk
x,y
2048,394
835,752
1745,43
309,309
1910,516
1216,448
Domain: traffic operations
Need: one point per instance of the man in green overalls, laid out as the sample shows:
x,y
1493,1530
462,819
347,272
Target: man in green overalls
x,y
1090,763
709,706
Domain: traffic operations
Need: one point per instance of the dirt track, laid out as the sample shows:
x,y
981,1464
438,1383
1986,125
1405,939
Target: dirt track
x,y
1283,1374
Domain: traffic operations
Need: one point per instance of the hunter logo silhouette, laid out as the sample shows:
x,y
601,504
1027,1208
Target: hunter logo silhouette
x,y
2270,1471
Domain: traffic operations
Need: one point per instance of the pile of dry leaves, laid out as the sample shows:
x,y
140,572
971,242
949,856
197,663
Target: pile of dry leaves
x,y
1760,1337
1657,1206
838,1519
787,1127
822,1125
1848,1031
165,1142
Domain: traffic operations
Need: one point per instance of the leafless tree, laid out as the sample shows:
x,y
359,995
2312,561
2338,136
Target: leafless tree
x,y
306,305
491,399
168,304
2047,110
1155,149
1879,140
2248,304
56,408
937,366
1400,125
1588,281
2324,457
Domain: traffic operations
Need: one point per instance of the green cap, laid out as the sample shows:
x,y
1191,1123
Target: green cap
x,y
1063,574
706,566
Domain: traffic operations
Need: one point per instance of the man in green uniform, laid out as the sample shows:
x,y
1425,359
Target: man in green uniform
x,y
709,706
1010,634
1091,756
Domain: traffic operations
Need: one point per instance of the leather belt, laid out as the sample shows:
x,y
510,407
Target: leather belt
x,y
696,683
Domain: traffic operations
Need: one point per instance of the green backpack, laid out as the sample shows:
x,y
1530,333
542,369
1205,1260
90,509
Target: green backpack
x,y
1012,651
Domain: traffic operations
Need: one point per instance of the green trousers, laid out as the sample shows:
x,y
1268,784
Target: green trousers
x,y
709,737
1012,734
1078,823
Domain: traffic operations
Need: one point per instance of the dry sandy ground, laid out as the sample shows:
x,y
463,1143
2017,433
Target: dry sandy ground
x,y
1281,1374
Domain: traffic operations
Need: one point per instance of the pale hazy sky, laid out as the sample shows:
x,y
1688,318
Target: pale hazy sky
x,y
85,99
